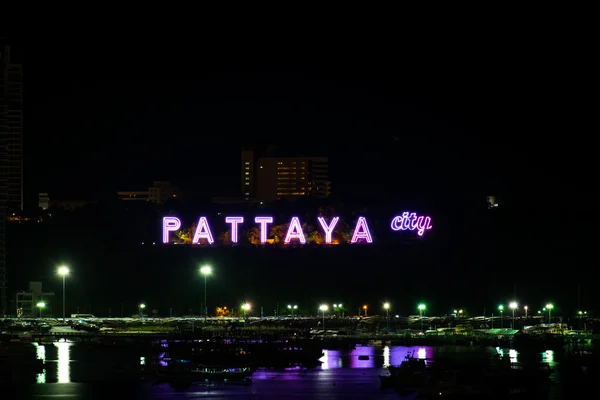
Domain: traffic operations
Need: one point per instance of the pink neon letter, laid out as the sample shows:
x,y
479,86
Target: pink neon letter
x,y
263,221
203,232
295,231
410,221
234,221
423,224
361,231
328,229
170,224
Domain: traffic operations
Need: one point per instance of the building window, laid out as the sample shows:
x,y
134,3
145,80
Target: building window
x,y
247,183
247,173
247,162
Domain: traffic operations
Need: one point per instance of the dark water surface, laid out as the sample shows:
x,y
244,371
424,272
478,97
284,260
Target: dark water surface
x,y
76,371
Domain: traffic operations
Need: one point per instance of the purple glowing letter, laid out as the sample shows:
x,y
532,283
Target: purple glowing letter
x,y
410,222
234,221
170,224
203,232
263,221
295,231
328,228
361,231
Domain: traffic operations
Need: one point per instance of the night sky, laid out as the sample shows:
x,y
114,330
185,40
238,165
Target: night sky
x,y
439,121
116,117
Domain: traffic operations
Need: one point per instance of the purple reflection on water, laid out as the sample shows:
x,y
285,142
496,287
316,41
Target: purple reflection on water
x,y
287,375
365,352
331,359
399,353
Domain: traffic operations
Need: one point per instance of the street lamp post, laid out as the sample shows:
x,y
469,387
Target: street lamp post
x,y
63,271
549,307
245,308
501,308
513,306
292,308
526,308
206,271
140,308
421,308
41,305
386,306
323,308
365,308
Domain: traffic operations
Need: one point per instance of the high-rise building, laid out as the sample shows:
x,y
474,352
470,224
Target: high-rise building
x,y
271,178
247,175
11,128
11,152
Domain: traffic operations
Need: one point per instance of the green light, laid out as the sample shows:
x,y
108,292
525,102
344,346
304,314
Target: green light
x,y
421,307
501,307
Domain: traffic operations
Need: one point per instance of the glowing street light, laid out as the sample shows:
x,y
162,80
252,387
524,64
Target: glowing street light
x,y
292,308
501,308
141,306
63,271
549,307
41,305
421,307
246,307
525,308
323,308
513,306
206,271
386,306
365,308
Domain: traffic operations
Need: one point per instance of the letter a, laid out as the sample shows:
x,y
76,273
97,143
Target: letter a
x,y
361,231
203,232
295,231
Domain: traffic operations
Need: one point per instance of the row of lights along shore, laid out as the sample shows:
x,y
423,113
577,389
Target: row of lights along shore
x,y
207,270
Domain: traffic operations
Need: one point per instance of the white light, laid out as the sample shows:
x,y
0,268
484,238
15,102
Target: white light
x,y
206,270
63,370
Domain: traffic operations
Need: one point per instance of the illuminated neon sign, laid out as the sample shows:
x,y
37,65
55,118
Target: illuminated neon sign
x,y
411,221
408,221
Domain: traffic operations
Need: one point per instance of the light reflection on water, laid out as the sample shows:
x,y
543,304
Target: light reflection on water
x,y
40,353
62,354
372,357
63,360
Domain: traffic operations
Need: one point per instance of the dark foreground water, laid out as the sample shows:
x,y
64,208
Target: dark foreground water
x,y
80,372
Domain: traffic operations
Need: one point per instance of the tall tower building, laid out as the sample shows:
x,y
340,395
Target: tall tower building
x,y
12,129
11,152
248,175
291,178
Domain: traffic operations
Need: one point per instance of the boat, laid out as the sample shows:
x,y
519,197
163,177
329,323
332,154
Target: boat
x,y
182,373
411,373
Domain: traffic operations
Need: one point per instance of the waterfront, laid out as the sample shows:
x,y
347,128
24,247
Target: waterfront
x,y
78,371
